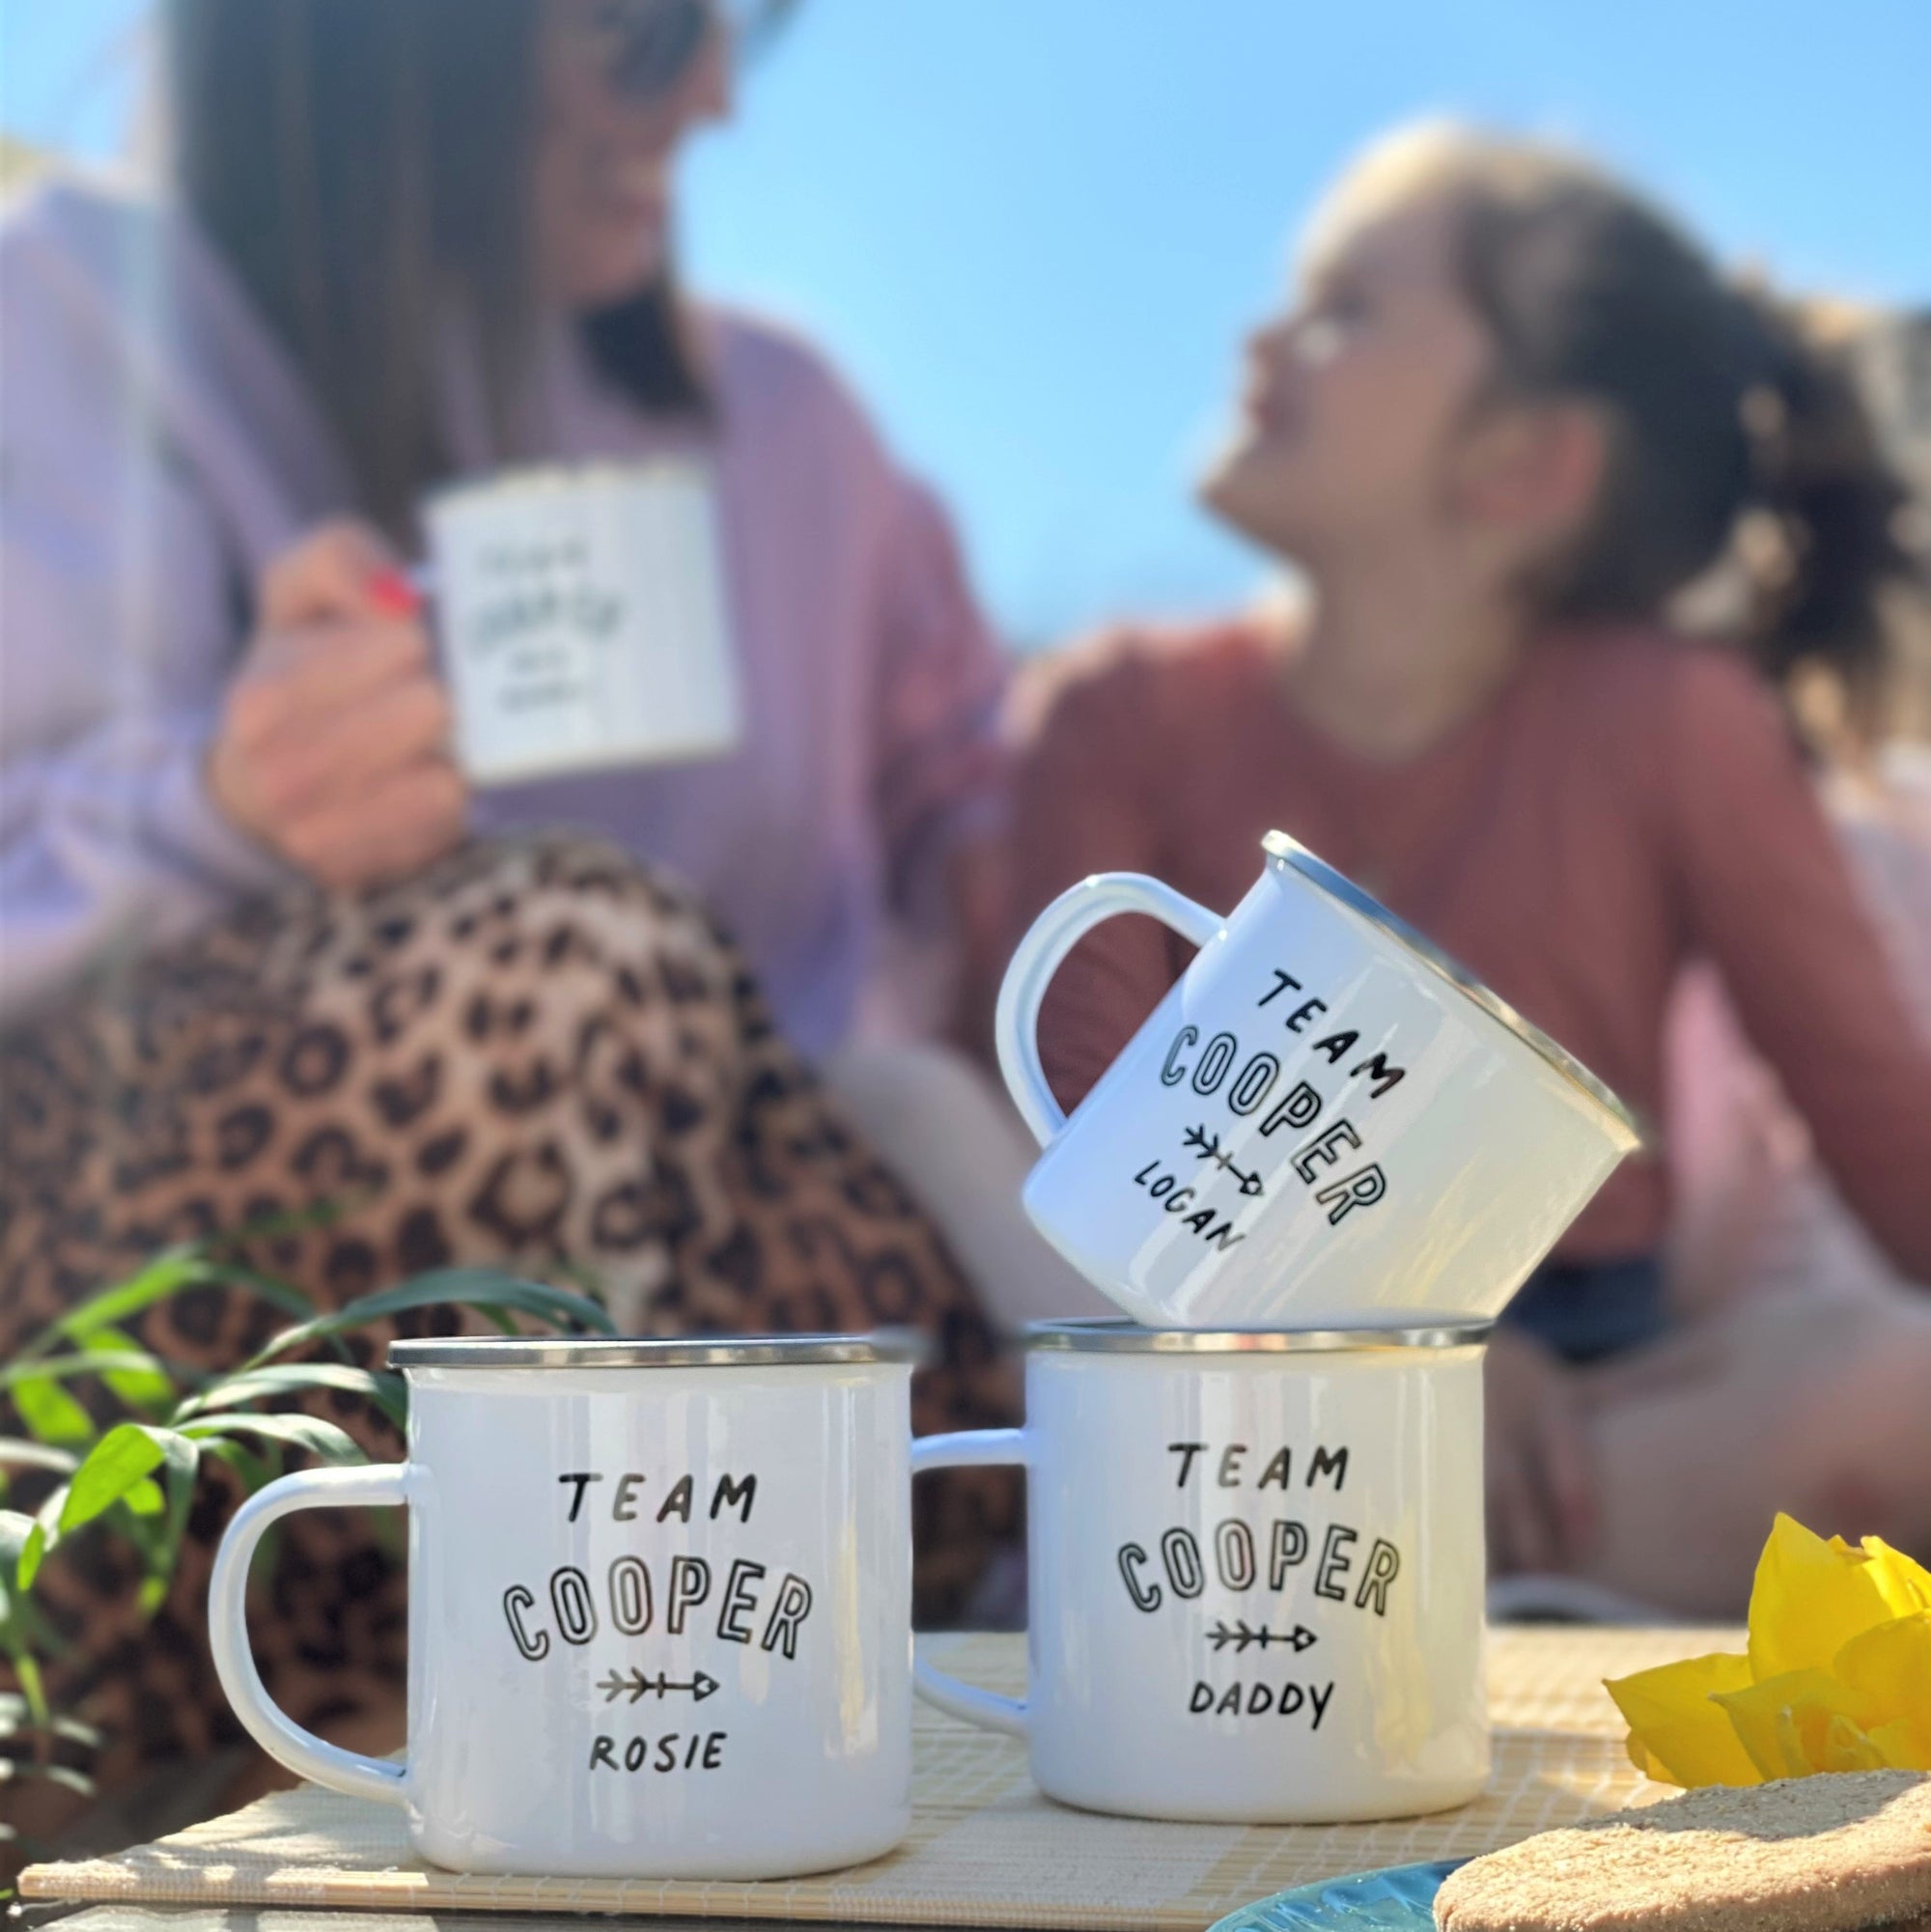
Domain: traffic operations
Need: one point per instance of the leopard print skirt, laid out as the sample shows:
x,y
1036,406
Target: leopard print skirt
x,y
537,1056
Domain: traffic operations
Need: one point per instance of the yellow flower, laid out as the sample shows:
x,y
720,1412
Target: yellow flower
x,y
1837,1676
1678,1733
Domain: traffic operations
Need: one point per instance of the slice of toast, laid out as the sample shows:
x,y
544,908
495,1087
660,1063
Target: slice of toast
x,y
1835,1852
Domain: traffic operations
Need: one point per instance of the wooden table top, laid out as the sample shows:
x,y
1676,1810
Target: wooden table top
x,y
986,1849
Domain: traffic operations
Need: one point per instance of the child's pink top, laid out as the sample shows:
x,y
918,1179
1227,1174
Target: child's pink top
x,y
1631,802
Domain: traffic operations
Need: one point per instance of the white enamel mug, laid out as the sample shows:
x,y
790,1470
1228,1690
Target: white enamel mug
x,y
660,1605
583,618
1255,1568
1324,1122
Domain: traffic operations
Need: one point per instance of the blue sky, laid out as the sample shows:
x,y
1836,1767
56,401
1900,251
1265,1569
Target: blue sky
x,y
1033,230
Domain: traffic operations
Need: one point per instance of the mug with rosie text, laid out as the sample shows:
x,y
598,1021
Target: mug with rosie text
x,y
660,1605
1255,1565
1324,1122
583,618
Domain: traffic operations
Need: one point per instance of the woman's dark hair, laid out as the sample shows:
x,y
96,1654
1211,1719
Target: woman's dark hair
x,y
364,167
1726,422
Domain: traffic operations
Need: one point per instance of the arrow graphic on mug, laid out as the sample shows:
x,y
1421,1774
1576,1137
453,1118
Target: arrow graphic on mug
x,y
1208,1146
638,1685
1244,1634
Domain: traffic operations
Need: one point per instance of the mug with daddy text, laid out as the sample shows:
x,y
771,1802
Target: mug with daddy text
x,y
1255,1569
660,1605
1324,1122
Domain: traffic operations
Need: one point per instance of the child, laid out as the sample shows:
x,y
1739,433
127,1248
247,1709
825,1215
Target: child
x,y
1515,414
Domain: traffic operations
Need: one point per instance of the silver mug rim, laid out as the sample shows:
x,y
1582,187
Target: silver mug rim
x,y
1289,852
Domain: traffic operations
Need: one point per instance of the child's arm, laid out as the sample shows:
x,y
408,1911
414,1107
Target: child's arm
x,y
1766,892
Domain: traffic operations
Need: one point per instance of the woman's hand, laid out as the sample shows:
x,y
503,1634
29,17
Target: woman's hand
x,y
333,745
1541,1469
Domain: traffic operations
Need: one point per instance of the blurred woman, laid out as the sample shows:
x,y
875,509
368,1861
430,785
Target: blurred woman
x,y
256,959
1513,416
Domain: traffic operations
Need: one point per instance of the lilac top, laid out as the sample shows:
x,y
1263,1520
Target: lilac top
x,y
157,450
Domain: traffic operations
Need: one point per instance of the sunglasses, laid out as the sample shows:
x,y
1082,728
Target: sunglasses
x,y
647,47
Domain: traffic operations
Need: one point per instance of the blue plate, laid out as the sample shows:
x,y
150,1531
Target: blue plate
x,y
1400,1899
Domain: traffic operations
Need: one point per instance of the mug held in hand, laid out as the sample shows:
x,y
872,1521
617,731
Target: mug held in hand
x,y
1324,1122
582,619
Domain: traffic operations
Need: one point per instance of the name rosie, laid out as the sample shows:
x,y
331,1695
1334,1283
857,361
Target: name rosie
x,y
747,1606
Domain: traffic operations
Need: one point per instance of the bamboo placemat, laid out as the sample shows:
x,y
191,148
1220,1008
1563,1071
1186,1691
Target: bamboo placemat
x,y
985,1848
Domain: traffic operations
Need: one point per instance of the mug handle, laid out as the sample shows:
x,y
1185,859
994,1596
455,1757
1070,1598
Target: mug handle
x,y
272,1727
976,1448
1042,952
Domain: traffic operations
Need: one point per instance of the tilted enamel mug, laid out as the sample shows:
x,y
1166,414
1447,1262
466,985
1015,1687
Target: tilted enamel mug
x,y
660,1605
583,618
1324,1122
1255,1571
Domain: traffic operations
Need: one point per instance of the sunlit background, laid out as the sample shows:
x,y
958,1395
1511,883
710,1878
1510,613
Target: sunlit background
x,y
1034,229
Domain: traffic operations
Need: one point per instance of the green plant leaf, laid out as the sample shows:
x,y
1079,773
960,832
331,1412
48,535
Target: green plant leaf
x,y
167,1274
159,1540
19,1771
308,1432
120,1470
15,1454
42,1538
144,1389
146,1529
281,1295
307,1219
587,1279
486,1290
25,1368
50,1413
141,1473
16,1532
122,1457
256,1471
28,1668
145,1497
382,1387
16,1720
30,1623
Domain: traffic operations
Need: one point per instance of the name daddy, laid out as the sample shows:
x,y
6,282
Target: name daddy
x,y
1314,1564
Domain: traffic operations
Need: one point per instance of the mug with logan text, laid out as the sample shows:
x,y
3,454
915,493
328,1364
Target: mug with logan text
x,y
660,1605
1255,1571
1326,1121
583,618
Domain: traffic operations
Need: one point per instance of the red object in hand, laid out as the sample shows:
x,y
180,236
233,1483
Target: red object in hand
x,y
394,594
